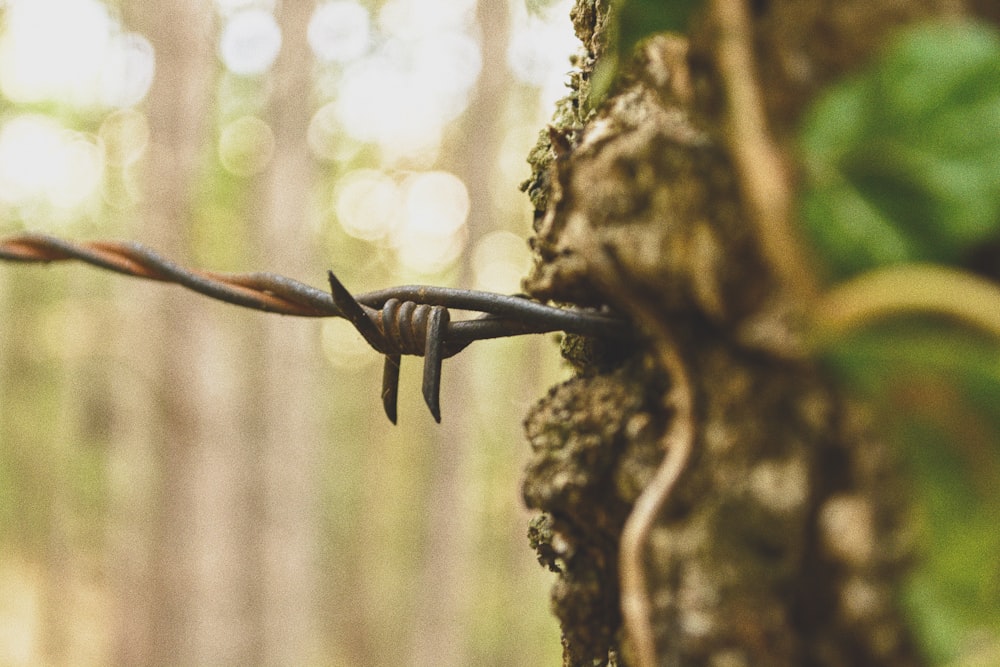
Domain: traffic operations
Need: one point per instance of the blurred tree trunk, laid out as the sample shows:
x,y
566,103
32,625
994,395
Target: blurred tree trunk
x,y
64,572
180,467
289,400
448,563
706,483
447,576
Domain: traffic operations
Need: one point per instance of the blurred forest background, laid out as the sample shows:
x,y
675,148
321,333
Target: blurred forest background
x,y
186,482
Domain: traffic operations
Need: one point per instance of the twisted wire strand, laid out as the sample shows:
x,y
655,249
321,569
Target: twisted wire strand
x,y
503,315
261,291
412,319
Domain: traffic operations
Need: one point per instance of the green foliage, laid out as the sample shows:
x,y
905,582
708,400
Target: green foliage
x,y
903,165
638,19
903,160
936,384
631,22
538,7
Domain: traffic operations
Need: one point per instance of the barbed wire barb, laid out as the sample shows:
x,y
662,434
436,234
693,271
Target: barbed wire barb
x,y
411,319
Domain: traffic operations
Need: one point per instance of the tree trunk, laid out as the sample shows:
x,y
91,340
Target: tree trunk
x,y
289,398
708,498
179,465
446,578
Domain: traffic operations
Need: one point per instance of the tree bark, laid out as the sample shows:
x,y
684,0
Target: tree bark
x,y
707,496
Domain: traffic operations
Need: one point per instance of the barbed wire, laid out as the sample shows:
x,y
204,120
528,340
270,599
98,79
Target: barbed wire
x,y
261,291
394,321
275,293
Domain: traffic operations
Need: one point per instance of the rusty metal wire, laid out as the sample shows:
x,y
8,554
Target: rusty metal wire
x,y
413,318
506,315
261,291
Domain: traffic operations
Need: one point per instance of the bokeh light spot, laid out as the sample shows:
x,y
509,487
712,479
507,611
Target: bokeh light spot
x,y
500,260
433,232
250,42
340,31
419,78
128,70
436,202
457,60
367,203
540,48
426,18
246,146
43,162
78,173
54,50
429,253
325,138
379,102
124,135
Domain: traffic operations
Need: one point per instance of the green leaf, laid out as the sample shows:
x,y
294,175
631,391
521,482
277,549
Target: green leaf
x,y
632,21
902,161
639,19
902,164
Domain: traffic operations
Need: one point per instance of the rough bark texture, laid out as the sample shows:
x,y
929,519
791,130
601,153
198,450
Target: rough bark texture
x,y
706,481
